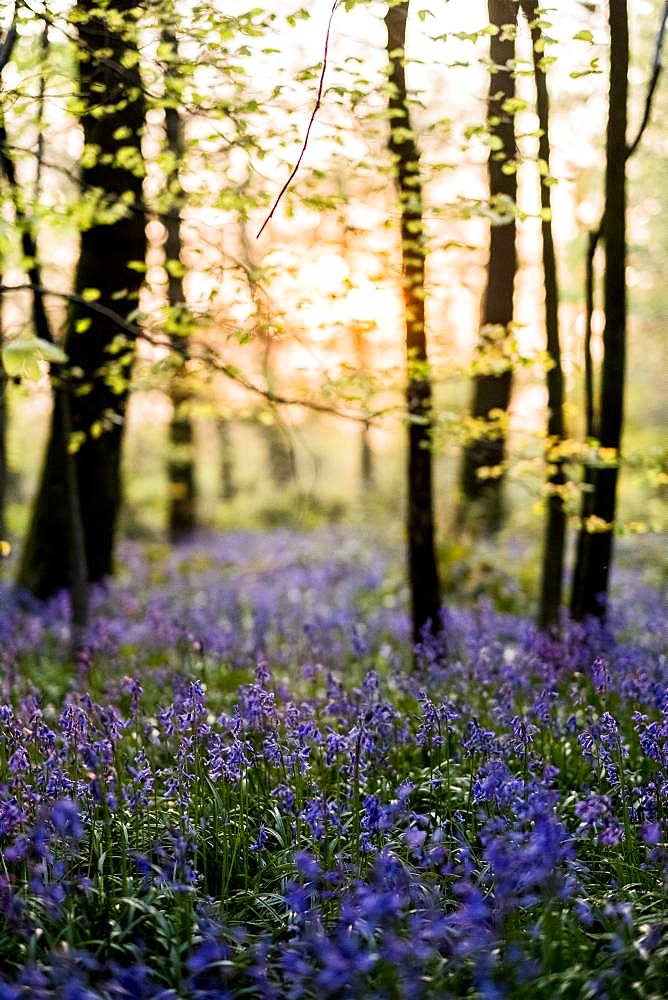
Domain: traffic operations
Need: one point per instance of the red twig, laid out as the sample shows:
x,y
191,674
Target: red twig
x,y
316,106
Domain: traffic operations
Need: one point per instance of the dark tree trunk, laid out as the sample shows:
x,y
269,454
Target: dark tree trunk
x,y
482,498
99,394
4,469
77,560
591,426
181,464
592,571
423,569
552,573
591,431
590,404
7,46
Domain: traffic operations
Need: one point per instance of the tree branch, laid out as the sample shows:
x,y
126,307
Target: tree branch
x,y
657,68
206,356
316,107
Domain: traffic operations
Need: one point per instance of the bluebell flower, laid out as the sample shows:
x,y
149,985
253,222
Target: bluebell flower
x,y
66,819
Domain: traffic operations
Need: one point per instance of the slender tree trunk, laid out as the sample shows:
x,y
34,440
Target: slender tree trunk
x,y
591,430
181,463
99,395
6,50
590,403
228,485
77,562
482,504
281,459
595,543
4,469
423,569
552,573
581,604
367,474
74,555
367,477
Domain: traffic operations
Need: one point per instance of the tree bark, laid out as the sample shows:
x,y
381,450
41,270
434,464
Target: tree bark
x,y
181,463
423,569
552,571
595,543
482,498
99,394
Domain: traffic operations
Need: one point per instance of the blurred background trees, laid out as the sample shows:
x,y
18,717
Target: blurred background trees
x,y
179,374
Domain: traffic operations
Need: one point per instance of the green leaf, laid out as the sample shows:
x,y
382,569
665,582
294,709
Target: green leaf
x,y
21,358
175,268
76,439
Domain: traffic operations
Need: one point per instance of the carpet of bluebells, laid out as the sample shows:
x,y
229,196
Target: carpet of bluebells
x,y
242,787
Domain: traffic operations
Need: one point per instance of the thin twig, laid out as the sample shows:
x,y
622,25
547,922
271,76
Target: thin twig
x,y
316,107
44,44
653,81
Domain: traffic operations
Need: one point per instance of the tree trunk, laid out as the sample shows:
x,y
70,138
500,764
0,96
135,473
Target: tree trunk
x,y
367,478
482,498
75,557
281,460
181,467
552,573
181,463
4,470
595,542
99,393
228,485
8,43
423,569
358,331
367,475
77,563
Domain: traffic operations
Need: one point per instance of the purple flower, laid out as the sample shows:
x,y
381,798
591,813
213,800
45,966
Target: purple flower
x,y
18,762
67,820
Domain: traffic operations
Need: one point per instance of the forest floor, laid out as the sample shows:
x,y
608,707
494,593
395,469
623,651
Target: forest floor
x,y
243,787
